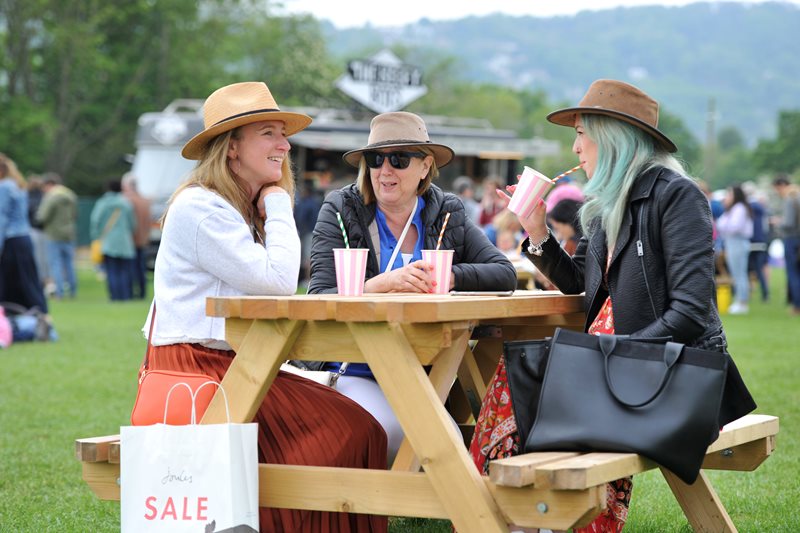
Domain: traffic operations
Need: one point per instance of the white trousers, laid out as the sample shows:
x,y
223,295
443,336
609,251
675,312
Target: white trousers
x,y
366,393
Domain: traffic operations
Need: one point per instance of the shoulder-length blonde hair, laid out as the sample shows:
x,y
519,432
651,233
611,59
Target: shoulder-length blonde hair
x,y
11,171
212,173
365,184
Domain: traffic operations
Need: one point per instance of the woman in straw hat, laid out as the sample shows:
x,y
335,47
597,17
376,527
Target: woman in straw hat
x,y
396,211
645,262
229,231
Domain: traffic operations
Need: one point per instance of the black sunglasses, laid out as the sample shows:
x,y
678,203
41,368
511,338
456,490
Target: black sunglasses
x,y
398,160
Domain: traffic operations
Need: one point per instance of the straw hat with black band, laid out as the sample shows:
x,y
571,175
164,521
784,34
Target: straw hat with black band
x,y
236,105
621,101
400,129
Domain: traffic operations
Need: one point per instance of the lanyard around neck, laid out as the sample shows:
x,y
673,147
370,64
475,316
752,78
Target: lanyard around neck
x,y
402,237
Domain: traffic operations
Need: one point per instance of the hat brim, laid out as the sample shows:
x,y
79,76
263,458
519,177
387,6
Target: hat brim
x,y
566,117
294,122
441,154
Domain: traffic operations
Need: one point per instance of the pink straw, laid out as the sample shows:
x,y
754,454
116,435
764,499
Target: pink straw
x,y
570,171
441,233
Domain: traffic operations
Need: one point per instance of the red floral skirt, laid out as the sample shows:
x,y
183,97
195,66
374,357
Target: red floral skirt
x,y
496,437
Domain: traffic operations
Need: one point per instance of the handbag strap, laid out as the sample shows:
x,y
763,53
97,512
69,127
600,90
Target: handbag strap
x,y
402,237
110,223
672,352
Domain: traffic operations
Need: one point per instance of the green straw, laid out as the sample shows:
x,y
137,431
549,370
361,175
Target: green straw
x,y
344,233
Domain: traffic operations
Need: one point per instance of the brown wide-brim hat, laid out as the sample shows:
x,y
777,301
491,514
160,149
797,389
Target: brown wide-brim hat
x,y
619,100
236,105
400,129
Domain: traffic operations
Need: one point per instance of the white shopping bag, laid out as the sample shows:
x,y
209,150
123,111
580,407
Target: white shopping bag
x,y
192,478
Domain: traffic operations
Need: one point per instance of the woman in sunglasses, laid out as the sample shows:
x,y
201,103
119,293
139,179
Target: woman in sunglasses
x,y
396,211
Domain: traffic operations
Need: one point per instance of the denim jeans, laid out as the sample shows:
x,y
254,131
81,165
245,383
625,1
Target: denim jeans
x,y
737,251
60,261
118,277
791,248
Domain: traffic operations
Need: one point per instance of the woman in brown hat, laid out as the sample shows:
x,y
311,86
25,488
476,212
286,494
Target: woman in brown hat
x,y
645,262
229,231
395,211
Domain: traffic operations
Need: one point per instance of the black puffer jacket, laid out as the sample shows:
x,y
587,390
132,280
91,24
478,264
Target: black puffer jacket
x,y
661,287
477,264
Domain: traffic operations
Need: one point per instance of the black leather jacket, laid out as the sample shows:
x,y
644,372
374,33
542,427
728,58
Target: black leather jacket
x,y
477,264
663,287
661,276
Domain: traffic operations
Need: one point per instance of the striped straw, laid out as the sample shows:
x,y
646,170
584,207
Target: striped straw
x,y
441,233
570,171
344,233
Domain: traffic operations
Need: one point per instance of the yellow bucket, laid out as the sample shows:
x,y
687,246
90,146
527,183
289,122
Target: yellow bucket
x,y
724,295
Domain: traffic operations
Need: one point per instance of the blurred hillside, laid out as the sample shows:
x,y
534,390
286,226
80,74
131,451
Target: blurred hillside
x,y
746,57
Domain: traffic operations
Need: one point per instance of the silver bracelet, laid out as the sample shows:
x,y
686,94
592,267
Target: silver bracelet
x,y
535,248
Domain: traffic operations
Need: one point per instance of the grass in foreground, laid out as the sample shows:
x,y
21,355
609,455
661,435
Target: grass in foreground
x,y
84,385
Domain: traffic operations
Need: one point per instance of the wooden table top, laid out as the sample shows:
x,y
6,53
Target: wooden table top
x,y
391,307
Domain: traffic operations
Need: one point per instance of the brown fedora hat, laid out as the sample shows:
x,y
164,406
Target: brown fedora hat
x,y
236,105
619,100
400,129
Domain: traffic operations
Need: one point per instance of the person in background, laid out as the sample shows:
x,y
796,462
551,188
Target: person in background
x,y
229,231
644,263
735,227
35,195
563,217
306,212
465,189
114,222
141,237
19,279
788,224
396,211
759,242
491,204
58,217
565,189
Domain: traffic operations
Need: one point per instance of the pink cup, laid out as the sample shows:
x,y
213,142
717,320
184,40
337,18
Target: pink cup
x,y
351,267
531,187
442,261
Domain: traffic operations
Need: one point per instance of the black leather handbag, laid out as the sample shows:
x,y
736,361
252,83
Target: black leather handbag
x,y
613,393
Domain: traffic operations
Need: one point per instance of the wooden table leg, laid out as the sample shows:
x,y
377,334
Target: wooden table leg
x,y
700,504
441,376
253,370
428,427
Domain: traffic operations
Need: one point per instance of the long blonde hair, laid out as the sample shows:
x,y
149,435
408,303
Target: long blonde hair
x,y
212,173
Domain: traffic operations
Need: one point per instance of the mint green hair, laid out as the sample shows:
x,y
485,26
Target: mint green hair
x,y
624,152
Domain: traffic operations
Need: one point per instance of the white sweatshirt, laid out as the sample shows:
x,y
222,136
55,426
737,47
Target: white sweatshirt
x,y
207,249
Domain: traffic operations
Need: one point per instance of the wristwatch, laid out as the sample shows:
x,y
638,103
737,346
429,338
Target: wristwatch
x,y
535,248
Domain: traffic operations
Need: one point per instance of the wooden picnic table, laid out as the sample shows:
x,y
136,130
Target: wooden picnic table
x,y
398,335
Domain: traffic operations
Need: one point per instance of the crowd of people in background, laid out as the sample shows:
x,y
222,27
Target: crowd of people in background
x,y
754,227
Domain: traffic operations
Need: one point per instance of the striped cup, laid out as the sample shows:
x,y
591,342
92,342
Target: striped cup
x,y
442,261
351,267
532,186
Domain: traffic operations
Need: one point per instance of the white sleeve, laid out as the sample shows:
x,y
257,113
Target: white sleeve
x,y
225,248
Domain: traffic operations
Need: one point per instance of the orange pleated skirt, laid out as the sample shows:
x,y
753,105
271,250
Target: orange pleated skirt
x,y
300,423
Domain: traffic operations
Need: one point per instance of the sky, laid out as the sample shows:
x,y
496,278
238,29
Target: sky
x,y
356,13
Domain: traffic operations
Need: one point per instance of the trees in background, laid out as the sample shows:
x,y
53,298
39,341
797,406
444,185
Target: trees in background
x,y
75,75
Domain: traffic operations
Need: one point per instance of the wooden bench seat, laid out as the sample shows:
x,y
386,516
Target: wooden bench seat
x,y
556,490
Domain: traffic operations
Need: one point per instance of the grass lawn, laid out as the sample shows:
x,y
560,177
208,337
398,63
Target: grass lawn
x,y
84,385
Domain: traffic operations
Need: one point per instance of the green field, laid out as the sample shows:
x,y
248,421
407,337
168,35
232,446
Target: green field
x,y
84,385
